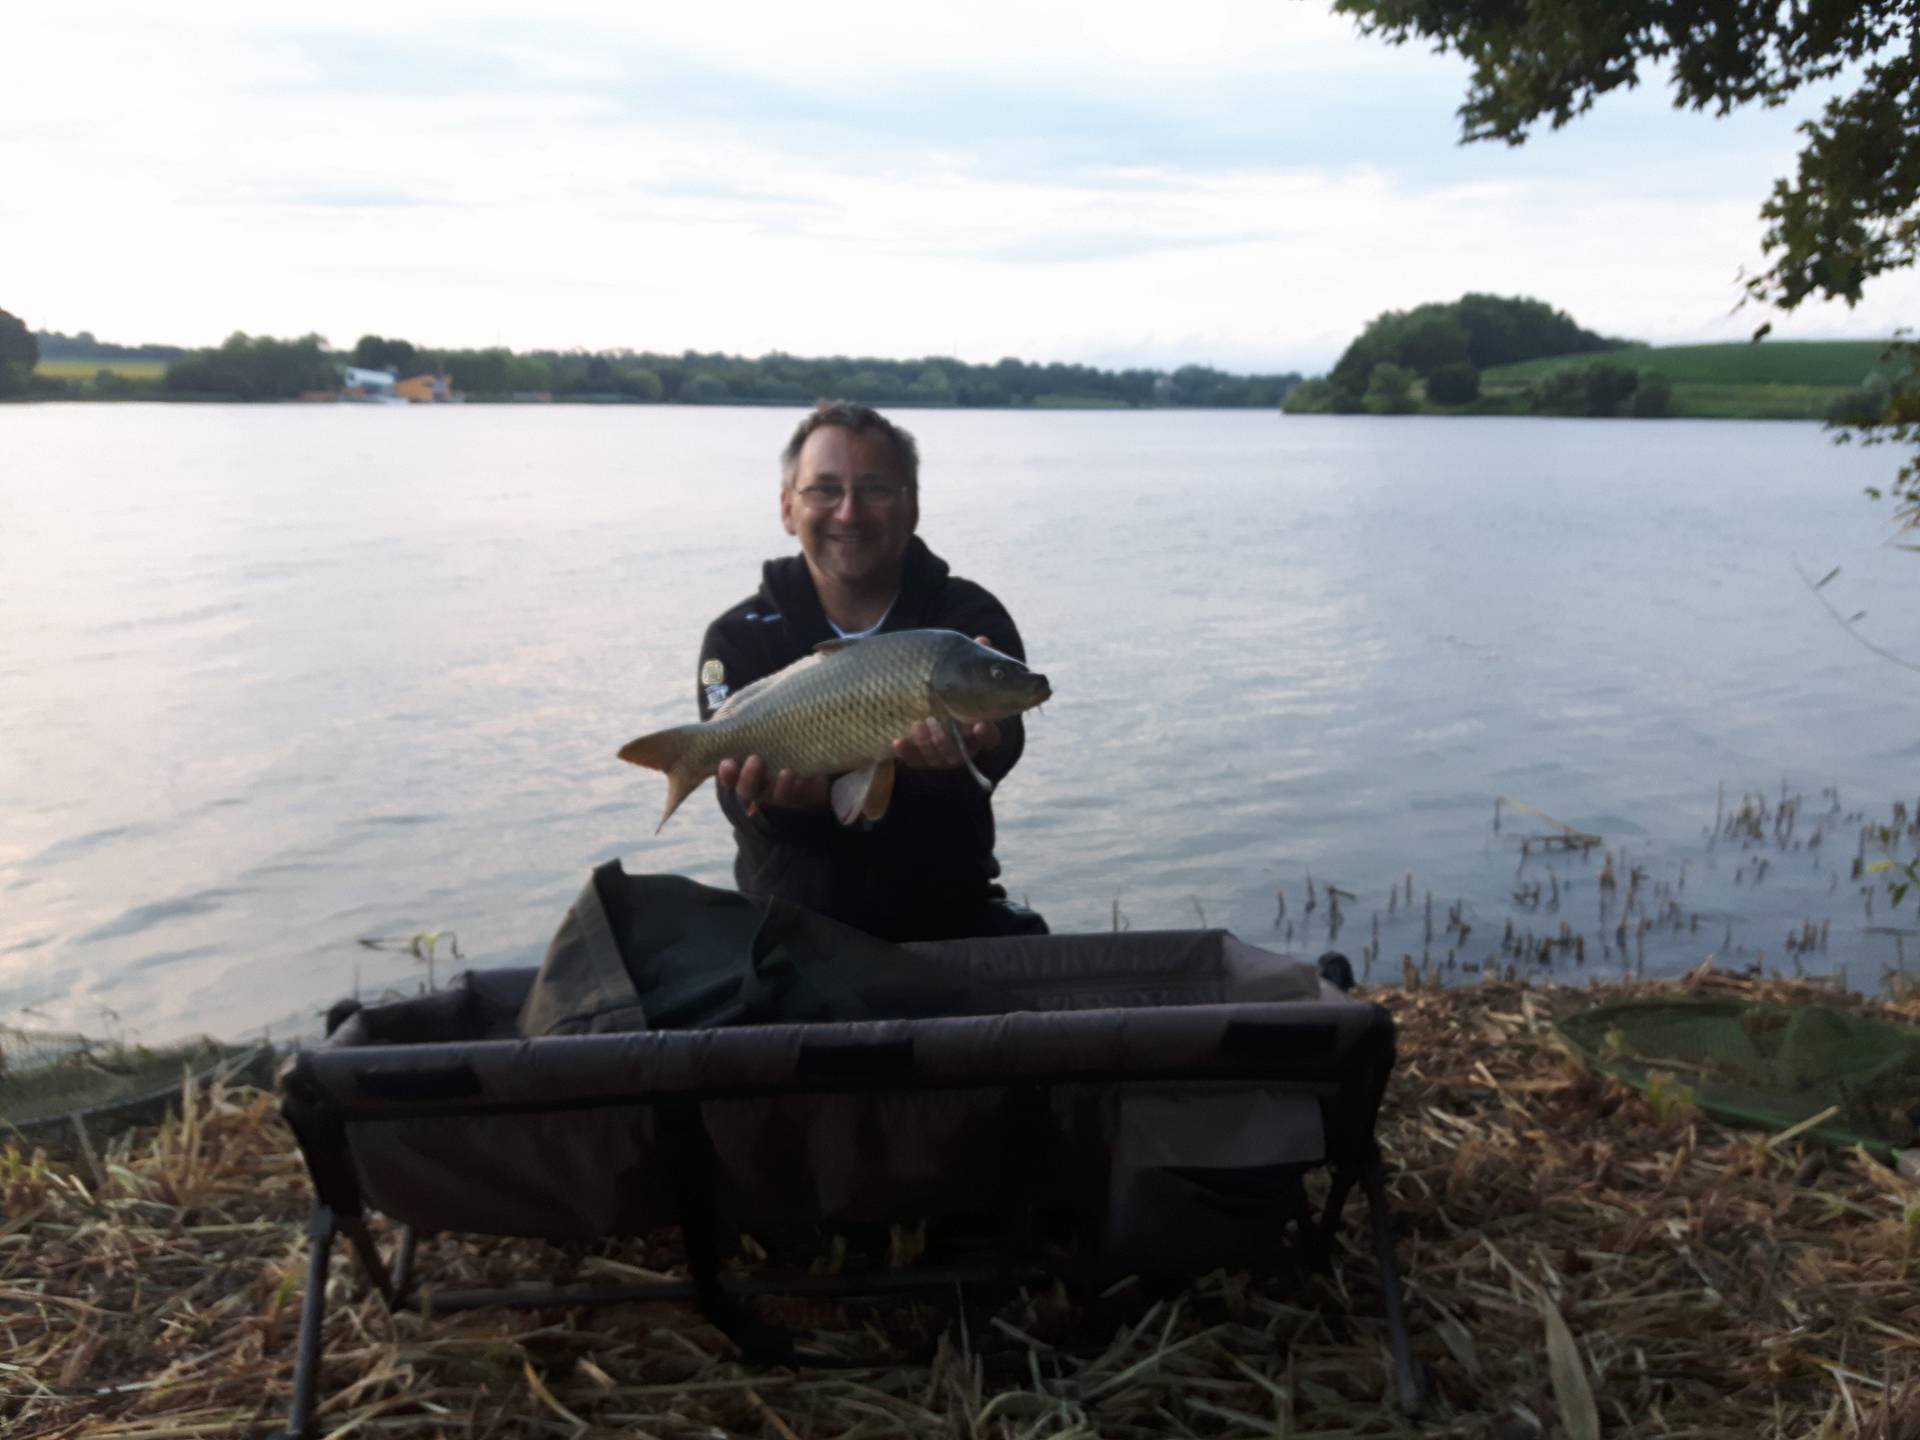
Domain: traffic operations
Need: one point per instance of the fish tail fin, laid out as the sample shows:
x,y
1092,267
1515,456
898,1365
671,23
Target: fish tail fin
x,y
670,752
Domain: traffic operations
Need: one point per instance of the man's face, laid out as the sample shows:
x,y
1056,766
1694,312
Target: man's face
x,y
857,542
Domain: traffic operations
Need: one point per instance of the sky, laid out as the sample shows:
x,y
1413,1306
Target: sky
x,y
1241,185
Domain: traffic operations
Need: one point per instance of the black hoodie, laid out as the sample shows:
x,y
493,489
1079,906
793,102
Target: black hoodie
x,y
927,865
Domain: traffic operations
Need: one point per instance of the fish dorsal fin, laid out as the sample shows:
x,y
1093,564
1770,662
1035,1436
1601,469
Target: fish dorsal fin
x,y
827,647
745,692
753,691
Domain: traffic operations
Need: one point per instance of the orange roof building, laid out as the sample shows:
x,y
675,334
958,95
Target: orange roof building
x,y
425,389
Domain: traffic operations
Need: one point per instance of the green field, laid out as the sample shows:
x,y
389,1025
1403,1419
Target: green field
x,y
87,369
1774,380
1832,364
1698,400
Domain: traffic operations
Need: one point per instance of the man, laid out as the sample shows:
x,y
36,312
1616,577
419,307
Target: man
x,y
849,492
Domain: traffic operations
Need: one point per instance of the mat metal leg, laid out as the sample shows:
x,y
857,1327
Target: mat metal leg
x,y
690,1173
1337,1191
354,1227
1408,1383
321,1228
402,1268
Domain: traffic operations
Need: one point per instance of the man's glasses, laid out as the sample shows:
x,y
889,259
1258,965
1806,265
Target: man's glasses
x,y
871,494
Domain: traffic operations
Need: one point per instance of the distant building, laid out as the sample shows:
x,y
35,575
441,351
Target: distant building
x,y
428,388
374,385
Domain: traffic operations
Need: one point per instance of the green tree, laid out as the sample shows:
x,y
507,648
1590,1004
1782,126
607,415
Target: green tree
x,y
1431,337
1378,344
1561,392
1454,385
1598,389
1390,390
255,368
1309,397
1609,387
19,353
372,352
1502,330
1865,405
1851,210
933,387
111,385
1478,330
1653,396
1591,390
481,372
639,384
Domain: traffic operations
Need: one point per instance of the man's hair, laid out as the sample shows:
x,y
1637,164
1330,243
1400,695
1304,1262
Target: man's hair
x,y
861,420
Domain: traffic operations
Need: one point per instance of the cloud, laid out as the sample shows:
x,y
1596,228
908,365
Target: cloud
x,y
1072,249
347,199
1245,187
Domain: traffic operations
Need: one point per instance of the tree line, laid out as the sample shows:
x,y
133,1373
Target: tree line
x,y
19,353
258,367
695,377
83,346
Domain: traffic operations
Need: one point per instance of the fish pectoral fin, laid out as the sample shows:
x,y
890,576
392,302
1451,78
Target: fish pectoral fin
x,y
880,792
960,743
864,792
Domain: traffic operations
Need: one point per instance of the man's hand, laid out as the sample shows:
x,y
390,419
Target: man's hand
x,y
930,747
785,791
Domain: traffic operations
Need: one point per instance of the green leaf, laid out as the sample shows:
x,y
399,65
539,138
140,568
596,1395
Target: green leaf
x,y
1572,1392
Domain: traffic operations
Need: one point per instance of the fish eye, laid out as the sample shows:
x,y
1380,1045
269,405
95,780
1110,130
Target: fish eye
x,y
999,672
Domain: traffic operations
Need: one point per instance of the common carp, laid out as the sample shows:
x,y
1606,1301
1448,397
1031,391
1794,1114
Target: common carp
x,y
838,711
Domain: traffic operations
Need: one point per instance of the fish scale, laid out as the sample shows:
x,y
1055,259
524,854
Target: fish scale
x,y
839,710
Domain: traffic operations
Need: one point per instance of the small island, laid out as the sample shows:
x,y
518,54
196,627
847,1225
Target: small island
x,y
1495,355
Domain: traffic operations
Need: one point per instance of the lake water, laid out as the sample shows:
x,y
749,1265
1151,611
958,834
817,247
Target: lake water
x,y
277,679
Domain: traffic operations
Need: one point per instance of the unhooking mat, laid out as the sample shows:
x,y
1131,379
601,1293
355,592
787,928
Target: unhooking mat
x,y
1767,1065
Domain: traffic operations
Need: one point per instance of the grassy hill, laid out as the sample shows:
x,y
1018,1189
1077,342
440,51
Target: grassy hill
x,y
71,369
1776,379
1771,362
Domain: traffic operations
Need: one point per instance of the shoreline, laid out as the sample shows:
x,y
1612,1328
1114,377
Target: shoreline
x,y
560,402
1569,1249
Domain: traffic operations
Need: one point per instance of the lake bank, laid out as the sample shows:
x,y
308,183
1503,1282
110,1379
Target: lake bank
x,y
1690,401
1778,380
1702,1278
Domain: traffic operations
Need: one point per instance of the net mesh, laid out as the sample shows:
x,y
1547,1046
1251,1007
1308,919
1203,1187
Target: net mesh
x,y
1855,1077
45,1074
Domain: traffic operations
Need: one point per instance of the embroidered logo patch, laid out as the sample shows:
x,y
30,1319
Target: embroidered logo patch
x,y
712,672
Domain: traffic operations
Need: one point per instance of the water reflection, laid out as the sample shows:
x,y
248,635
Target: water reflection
x,y
277,678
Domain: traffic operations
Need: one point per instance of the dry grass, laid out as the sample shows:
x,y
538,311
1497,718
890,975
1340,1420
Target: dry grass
x,y
1577,1265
